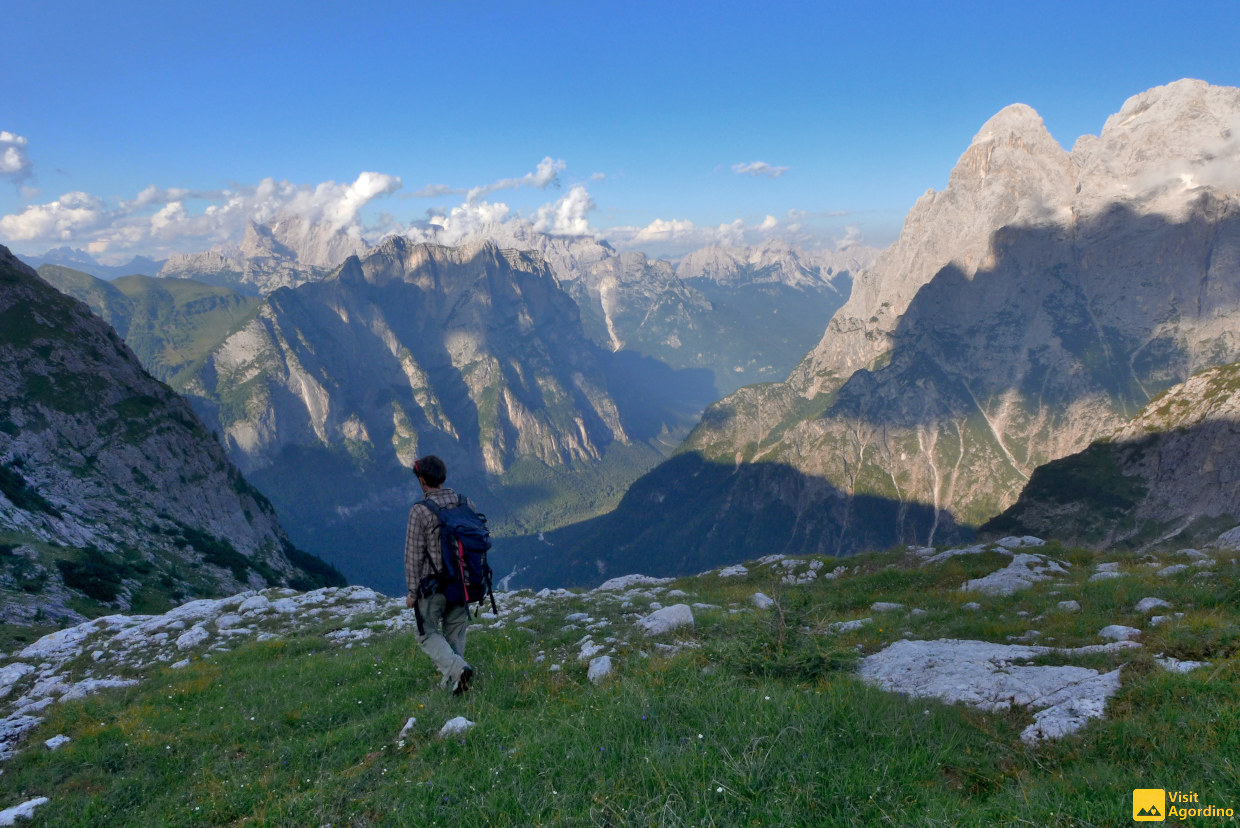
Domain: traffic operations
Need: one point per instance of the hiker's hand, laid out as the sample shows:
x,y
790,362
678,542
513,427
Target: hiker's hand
x,y
409,601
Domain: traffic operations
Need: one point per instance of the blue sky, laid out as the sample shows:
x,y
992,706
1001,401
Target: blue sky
x,y
140,127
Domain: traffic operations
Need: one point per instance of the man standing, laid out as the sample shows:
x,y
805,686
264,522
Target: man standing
x,y
441,626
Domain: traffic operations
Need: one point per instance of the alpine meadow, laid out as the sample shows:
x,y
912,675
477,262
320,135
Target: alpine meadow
x,y
816,438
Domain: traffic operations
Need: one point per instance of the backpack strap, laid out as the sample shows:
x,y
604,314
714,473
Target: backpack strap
x,y
435,510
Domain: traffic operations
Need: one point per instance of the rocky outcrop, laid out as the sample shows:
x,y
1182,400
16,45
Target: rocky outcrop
x,y
1166,475
1037,303
108,474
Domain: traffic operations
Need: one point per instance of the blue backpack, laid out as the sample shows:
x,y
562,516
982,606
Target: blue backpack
x,y
464,541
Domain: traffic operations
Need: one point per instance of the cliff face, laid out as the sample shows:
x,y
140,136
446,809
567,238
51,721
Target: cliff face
x,y
99,456
1167,474
1037,303
474,353
417,346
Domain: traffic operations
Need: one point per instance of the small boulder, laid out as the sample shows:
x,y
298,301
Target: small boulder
x,y
1146,604
885,606
762,601
1069,606
666,619
1118,632
600,668
455,727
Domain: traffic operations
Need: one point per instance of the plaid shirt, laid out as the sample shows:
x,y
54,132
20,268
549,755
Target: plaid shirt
x,y
422,539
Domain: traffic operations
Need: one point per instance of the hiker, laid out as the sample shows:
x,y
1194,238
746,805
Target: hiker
x,y
439,595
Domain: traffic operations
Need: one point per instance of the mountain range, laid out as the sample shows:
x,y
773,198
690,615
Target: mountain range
x,y
1037,303
325,389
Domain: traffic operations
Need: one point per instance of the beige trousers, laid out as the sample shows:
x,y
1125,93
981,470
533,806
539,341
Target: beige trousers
x,y
444,636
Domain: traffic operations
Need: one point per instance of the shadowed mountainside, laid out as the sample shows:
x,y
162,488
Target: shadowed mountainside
x,y
691,514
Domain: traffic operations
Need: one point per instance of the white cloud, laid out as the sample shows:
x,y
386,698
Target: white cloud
x,y
178,220
682,234
14,163
568,216
435,191
460,222
547,174
759,168
56,221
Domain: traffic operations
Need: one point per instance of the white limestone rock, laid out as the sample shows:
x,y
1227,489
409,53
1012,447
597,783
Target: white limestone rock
x,y
987,676
762,601
254,605
1118,632
9,816
10,674
1145,605
1174,569
57,742
666,619
600,668
192,637
736,571
627,581
1175,665
455,727
885,606
1068,606
1023,572
1020,543
849,626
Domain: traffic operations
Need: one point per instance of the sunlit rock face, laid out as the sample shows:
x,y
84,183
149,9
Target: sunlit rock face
x,y
1037,303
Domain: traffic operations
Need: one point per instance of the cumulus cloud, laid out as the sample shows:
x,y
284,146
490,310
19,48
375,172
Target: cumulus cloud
x,y
546,175
56,221
759,168
568,216
681,234
460,222
174,220
14,163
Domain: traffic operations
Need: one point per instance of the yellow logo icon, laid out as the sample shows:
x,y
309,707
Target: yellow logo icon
x,y
1149,805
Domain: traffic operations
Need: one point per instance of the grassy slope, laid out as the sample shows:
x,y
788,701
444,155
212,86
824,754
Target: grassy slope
x,y
762,724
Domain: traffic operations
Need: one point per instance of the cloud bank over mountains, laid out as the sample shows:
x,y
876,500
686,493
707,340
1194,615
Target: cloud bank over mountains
x,y
158,221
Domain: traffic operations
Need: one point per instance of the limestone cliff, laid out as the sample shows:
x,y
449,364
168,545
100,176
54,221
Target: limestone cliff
x,y
1037,303
108,481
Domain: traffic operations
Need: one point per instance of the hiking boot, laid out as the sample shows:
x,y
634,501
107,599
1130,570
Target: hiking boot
x,y
462,683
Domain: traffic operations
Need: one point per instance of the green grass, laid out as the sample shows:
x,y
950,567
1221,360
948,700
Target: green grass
x,y
758,721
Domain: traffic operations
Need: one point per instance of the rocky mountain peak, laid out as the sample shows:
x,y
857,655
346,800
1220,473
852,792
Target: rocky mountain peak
x,y
1162,147
260,241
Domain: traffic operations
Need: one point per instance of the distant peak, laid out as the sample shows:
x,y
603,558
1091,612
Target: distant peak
x,y
1016,118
